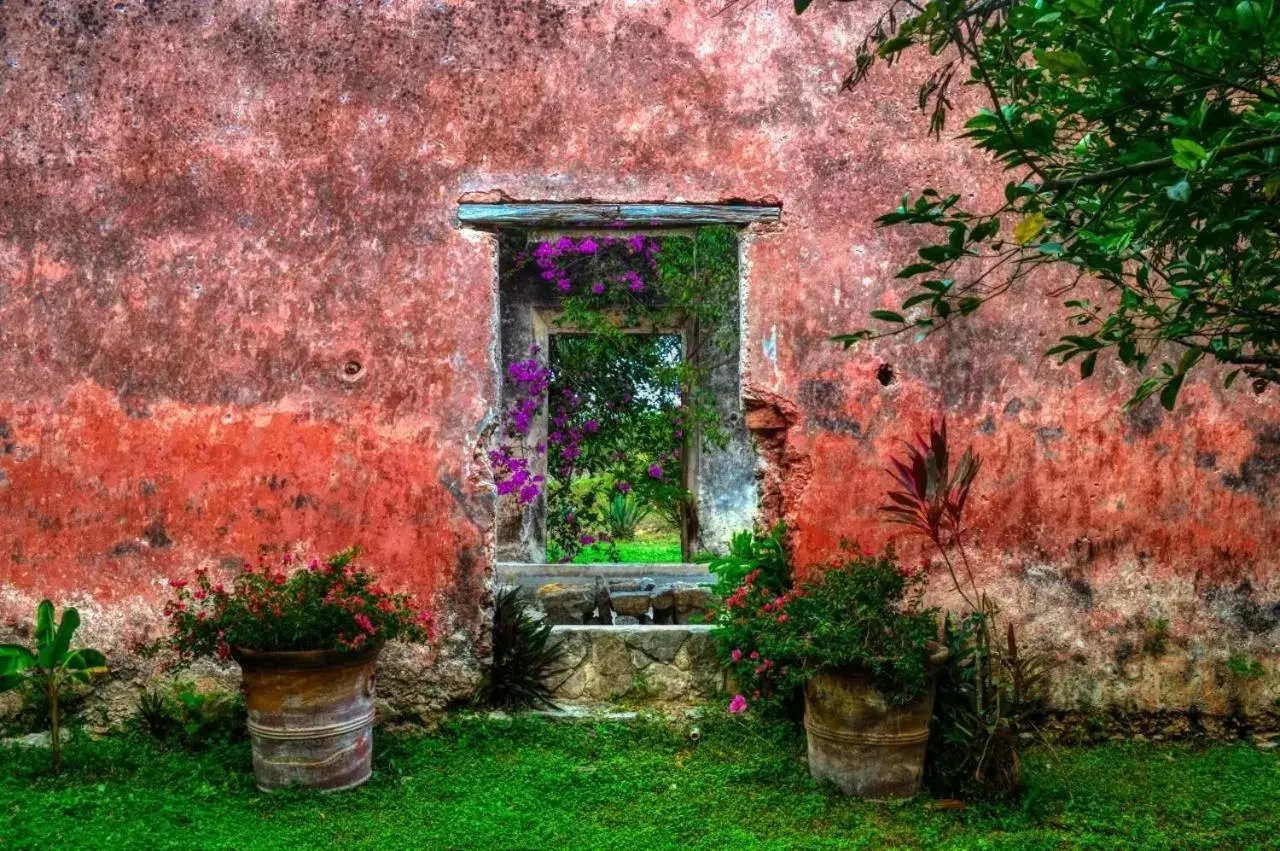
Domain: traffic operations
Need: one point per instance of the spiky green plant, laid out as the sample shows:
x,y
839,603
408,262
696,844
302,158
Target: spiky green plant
x,y
522,654
625,514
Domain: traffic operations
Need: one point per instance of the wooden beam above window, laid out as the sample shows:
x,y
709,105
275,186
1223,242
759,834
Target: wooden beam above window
x,y
625,215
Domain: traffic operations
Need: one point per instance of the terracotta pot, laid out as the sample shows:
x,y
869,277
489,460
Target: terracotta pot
x,y
310,716
862,741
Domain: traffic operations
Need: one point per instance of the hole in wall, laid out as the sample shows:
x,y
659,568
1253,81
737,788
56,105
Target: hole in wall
x,y
352,368
885,375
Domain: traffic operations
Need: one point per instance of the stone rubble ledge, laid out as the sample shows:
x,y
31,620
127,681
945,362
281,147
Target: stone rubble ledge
x,y
621,601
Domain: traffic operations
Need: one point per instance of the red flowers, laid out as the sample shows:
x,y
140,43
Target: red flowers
x,y
295,604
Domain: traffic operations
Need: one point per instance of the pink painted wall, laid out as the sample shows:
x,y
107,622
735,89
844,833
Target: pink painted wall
x,y
208,209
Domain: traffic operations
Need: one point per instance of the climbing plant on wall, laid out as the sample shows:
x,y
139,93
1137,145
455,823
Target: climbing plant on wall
x,y
1143,138
642,321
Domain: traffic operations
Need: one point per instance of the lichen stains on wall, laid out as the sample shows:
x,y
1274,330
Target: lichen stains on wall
x,y
208,210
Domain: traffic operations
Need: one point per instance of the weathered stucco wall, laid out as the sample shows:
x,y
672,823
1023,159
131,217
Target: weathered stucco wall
x,y
212,213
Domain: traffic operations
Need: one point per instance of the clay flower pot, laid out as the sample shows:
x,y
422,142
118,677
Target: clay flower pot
x,y
310,716
861,740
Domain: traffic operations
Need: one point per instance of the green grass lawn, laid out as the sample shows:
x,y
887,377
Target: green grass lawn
x,y
658,550
530,783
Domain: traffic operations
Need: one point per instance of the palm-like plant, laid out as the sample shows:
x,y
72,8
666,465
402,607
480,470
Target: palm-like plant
x,y
989,694
51,665
933,496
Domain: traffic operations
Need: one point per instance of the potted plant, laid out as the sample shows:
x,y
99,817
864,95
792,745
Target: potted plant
x,y
862,648
307,640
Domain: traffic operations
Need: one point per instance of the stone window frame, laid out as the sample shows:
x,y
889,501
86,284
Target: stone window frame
x,y
651,219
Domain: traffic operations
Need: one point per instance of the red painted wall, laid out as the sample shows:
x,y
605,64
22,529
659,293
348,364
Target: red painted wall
x,y
208,209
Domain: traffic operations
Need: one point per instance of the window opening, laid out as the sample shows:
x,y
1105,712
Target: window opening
x,y
621,436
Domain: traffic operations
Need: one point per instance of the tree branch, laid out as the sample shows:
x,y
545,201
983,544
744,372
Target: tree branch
x,y
1259,144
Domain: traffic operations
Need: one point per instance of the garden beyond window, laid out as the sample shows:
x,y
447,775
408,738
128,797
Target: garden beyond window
x,y
621,436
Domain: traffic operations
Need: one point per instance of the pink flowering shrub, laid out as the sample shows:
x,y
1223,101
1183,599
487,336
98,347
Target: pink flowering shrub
x,y
322,605
864,614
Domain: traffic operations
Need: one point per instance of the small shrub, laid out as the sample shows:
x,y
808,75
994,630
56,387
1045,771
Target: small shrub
x,y
990,691
624,515
761,553
1245,667
192,719
522,653
51,667
1155,641
157,714
986,700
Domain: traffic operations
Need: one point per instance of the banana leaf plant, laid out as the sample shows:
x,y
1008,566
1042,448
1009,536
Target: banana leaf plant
x,y
50,666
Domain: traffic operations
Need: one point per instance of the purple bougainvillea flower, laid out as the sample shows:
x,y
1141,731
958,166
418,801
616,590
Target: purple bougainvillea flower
x,y
655,471
624,486
563,285
591,426
588,246
587,540
738,704
597,288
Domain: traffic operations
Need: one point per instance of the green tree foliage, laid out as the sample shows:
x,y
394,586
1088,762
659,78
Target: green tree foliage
x,y
1143,138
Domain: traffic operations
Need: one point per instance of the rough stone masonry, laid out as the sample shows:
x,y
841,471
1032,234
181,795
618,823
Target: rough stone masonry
x,y
236,309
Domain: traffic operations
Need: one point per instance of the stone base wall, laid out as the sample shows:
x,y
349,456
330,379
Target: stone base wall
x,y
639,664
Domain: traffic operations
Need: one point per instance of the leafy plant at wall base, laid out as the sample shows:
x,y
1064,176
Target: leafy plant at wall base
x,y
522,654
192,718
989,692
759,552
984,701
51,666
625,514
